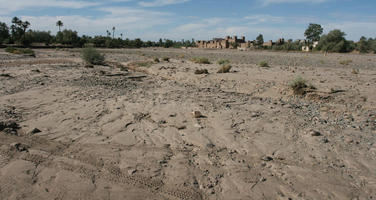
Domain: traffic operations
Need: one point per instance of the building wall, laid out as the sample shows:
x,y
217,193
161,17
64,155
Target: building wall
x,y
225,43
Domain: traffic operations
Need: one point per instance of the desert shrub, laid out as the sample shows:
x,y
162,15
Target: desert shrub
x,y
156,60
345,62
201,71
166,59
224,69
92,56
201,60
20,51
299,86
223,62
355,71
181,56
263,64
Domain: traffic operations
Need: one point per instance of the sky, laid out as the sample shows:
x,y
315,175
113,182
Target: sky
x,y
198,19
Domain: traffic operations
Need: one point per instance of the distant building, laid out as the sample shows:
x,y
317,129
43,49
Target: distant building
x,y
224,43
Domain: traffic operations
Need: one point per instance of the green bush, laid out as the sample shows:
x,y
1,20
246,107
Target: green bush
x,y
223,62
263,64
92,56
156,60
201,60
299,86
20,51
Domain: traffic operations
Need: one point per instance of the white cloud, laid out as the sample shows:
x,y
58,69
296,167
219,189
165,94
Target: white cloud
x,y
158,3
267,2
9,6
354,30
131,22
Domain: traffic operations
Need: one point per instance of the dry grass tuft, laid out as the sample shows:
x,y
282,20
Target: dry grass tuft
x,y
201,71
224,69
223,62
345,62
300,87
201,60
263,64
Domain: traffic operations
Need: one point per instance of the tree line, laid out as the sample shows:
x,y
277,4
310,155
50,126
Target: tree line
x,y
19,34
334,41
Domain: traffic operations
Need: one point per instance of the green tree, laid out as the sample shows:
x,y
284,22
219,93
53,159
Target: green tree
x,y
334,41
4,32
59,24
68,37
18,30
260,40
362,46
313,32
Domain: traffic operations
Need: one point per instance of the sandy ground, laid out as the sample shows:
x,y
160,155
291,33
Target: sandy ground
x,y
73,132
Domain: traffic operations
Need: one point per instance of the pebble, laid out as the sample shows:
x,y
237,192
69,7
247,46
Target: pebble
x,y
315,133
197,114
132,171
267,158
35,130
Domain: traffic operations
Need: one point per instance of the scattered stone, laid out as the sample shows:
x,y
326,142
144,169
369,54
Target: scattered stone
x,y
89,66
162,121
325,140
9,127
181,127
210,145
315,133
197,114
132,171
35,131
201,71
197,126
19,147
267,158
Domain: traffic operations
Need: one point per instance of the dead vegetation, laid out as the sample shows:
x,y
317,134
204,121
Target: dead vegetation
x,y
201,71
300,86
200,60
224,68
263,64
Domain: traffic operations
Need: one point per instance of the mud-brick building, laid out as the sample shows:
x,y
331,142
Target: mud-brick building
x,y
224,43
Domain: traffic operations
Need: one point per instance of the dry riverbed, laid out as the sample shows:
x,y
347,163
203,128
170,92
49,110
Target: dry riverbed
x,y
130,131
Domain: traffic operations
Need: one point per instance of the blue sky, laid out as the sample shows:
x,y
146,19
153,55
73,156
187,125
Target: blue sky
x,y
199,19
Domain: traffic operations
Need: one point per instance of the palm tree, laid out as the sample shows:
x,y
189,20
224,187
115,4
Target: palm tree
x,y
25,25
59,24
121,35
113,32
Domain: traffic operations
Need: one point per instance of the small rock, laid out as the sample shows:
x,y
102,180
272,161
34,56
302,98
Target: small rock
x,y
19,147
315,133
35,131
325,140
181,127
132,171
197,114
210,145
267,158
162,122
